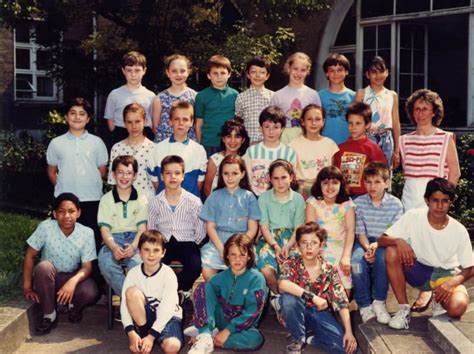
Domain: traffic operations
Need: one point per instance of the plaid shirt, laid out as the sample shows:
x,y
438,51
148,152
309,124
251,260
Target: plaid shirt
x,y
248,106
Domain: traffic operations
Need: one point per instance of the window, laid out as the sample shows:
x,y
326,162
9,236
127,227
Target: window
x,y
377,41
32,82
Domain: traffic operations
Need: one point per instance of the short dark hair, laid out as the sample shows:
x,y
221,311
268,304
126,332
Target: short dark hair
x,y
245,245
330,172
152,236
377,63
168,160
70,197
219,61
182,105
377,168
442,185
80,102
134,58
237,125
261,62
134,108
273,114
360,109
308,108
336,59
125,160
309,228
430,97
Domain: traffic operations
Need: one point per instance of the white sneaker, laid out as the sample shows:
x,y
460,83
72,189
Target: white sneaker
x,y
203,344
275,302
401,319
367,313
381,311
184,296
437,308
193,331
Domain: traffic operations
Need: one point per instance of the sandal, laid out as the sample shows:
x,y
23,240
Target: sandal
x,y
45,326
416,307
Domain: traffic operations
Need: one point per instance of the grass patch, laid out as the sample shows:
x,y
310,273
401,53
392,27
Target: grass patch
x,y
14,230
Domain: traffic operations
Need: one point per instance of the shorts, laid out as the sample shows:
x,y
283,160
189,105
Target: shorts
x,y
428,278
172,329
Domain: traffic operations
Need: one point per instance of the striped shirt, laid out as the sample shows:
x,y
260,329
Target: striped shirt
x,y
183,223
257,160
248,106
424,156
373,221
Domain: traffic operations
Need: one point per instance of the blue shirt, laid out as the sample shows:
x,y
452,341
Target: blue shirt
x,y
67,253
231,211
78,159
374,221
335,107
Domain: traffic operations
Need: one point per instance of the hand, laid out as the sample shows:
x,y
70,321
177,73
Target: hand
x,y
370,253
128,250
134,341
221,337
30,294
444,291
147,344
350,343
221,252
406,253
66,293
395,160
118,253
279,253
321,304
345,265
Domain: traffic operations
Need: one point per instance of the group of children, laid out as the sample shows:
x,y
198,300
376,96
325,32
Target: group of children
x,y
311,215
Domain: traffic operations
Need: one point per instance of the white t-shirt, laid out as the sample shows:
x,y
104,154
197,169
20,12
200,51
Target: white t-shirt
x,y
447,248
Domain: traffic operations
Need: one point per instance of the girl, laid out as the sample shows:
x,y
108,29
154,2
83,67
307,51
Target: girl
x,y
228,307
385,127
313,150
331,207
178,68
296,95
282,211
136,145
229,209
234,141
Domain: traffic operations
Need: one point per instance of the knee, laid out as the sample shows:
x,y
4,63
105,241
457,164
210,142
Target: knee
x,y
45,270
171,345
457,305
133,294
290,303
380,257
88,291
391,255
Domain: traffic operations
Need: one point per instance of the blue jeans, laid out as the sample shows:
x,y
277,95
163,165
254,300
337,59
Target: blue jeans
x,y
385,142
111,269
300,319
370,281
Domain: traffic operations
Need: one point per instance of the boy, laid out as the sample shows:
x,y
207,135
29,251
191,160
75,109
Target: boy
x,y
259,157
122,219
133,68
77,161
250,103
425,248
358,150
215,104
376,211
174,212
304,301
151,311
336,98
193,154
63,274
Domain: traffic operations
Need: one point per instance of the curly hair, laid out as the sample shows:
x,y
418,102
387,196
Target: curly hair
x,y
430,97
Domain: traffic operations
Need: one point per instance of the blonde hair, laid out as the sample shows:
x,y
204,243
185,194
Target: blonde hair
x,y
173,57
293,57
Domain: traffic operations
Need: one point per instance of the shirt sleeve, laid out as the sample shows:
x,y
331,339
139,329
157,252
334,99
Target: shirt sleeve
x,y
209,209
203,164
113,155
336,294
263,204
88,252
254,209
102,155
38,238
153,167
153,214
199,224
124,314
102,215
199,110
239,110
401,228
168,303
317,99
464,251
299,215
142,215
287,271
360,221
51,154
109,107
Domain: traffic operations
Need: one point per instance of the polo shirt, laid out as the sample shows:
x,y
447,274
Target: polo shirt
x,y
122,216
78,160
277,214
214,107
195,162
374,221
66,253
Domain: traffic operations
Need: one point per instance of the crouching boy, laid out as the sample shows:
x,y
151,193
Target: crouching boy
x,y
150,310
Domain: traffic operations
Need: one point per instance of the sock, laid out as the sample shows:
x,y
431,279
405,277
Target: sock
x,y
378,302
51,316
404,307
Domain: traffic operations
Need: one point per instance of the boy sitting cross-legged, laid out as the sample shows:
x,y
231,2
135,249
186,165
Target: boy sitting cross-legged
x,y
122,219
375,211
150,310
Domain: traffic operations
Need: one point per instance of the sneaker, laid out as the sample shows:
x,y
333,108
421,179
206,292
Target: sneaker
x,y
117,317
275,302
193,331
437,308
203,344
401,319
367,313
295,347
184,296
381,311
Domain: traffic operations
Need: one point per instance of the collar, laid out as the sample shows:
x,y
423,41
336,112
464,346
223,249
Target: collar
x,y
237,192
290,197
142,267
73,137
133,195
382,202
219,90
173,140
359,141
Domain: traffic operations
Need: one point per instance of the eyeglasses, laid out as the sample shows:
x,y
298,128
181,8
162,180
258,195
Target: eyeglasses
x,y
422,110
124,173
306,244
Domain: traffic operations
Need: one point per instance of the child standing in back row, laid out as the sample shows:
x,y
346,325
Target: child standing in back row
x,y
292,98
178,69
385,127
